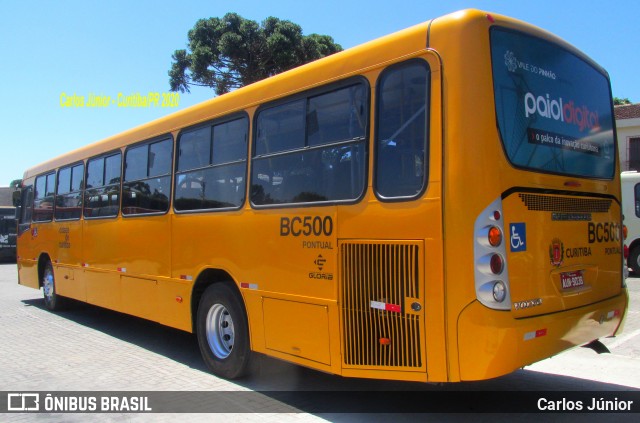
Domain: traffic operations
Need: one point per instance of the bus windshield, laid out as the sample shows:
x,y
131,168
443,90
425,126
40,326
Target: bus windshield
x,y
553,108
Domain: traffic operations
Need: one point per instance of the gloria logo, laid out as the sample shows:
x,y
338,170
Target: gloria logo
x,y
560,110
556,252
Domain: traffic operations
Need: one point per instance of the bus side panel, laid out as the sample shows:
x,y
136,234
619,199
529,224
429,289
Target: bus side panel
x,y
38,244
268,259
144,245
27,260
139,297
101,258
28,273
67,284
220,240
68,260
173,307
125,258
290,335
294,275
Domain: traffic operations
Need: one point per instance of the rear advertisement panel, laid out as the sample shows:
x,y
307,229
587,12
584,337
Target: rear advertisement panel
x,y
553,108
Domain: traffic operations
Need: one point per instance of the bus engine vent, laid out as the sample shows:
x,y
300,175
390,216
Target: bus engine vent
x,y
553,203
382,304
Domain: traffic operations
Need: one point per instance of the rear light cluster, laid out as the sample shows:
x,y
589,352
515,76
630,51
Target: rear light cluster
x,y
491,276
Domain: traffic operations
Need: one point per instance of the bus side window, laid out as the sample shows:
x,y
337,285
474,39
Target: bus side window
x,y
26,210
102,196
313,149
147,178
212,166
402,131
69,193
44,197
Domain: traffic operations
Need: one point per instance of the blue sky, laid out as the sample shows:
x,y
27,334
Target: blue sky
x,y
106,48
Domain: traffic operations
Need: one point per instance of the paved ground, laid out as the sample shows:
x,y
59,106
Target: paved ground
x,y
91,349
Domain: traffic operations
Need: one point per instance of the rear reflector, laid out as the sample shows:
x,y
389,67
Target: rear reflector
x,y
497,264
386,306
535,334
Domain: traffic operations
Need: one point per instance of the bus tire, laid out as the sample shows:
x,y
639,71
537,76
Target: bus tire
x,y
223,332
52,300
634,259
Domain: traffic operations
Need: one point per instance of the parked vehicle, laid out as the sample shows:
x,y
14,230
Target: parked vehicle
x,y
631,211
8,227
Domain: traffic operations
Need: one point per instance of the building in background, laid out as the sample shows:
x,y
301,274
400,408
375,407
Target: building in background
x,y
628,127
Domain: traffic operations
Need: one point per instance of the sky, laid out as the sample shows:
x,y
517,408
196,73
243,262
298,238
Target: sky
x,y
49,48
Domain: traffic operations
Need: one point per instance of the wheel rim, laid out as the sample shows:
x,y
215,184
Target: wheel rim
x,y
48,285
220,332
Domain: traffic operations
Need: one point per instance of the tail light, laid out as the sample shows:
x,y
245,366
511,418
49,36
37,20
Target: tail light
x,y
495,236
491,272
496,263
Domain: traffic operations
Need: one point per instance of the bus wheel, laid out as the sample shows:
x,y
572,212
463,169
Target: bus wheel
x,y
223,332
634,260
52,300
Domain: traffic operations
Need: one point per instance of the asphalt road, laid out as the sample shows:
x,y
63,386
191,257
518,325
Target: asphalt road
x,y
88,348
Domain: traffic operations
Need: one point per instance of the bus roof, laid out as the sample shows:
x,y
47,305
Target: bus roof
x,y
337,66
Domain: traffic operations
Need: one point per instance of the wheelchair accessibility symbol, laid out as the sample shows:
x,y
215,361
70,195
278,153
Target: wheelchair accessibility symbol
x,y
518,237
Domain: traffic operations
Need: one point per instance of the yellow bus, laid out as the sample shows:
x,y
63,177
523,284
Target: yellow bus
x,y
440,204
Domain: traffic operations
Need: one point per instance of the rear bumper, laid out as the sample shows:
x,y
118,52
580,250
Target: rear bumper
x,y
492,343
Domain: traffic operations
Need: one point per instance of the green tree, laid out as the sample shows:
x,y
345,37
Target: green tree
x,y
232,52
617,101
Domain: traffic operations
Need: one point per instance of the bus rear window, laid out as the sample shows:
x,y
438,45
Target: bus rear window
x,y
553,108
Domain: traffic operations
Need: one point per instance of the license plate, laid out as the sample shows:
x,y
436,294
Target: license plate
x,y
570,280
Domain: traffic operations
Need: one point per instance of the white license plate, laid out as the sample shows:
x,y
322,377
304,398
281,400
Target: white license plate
x,y
570,280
